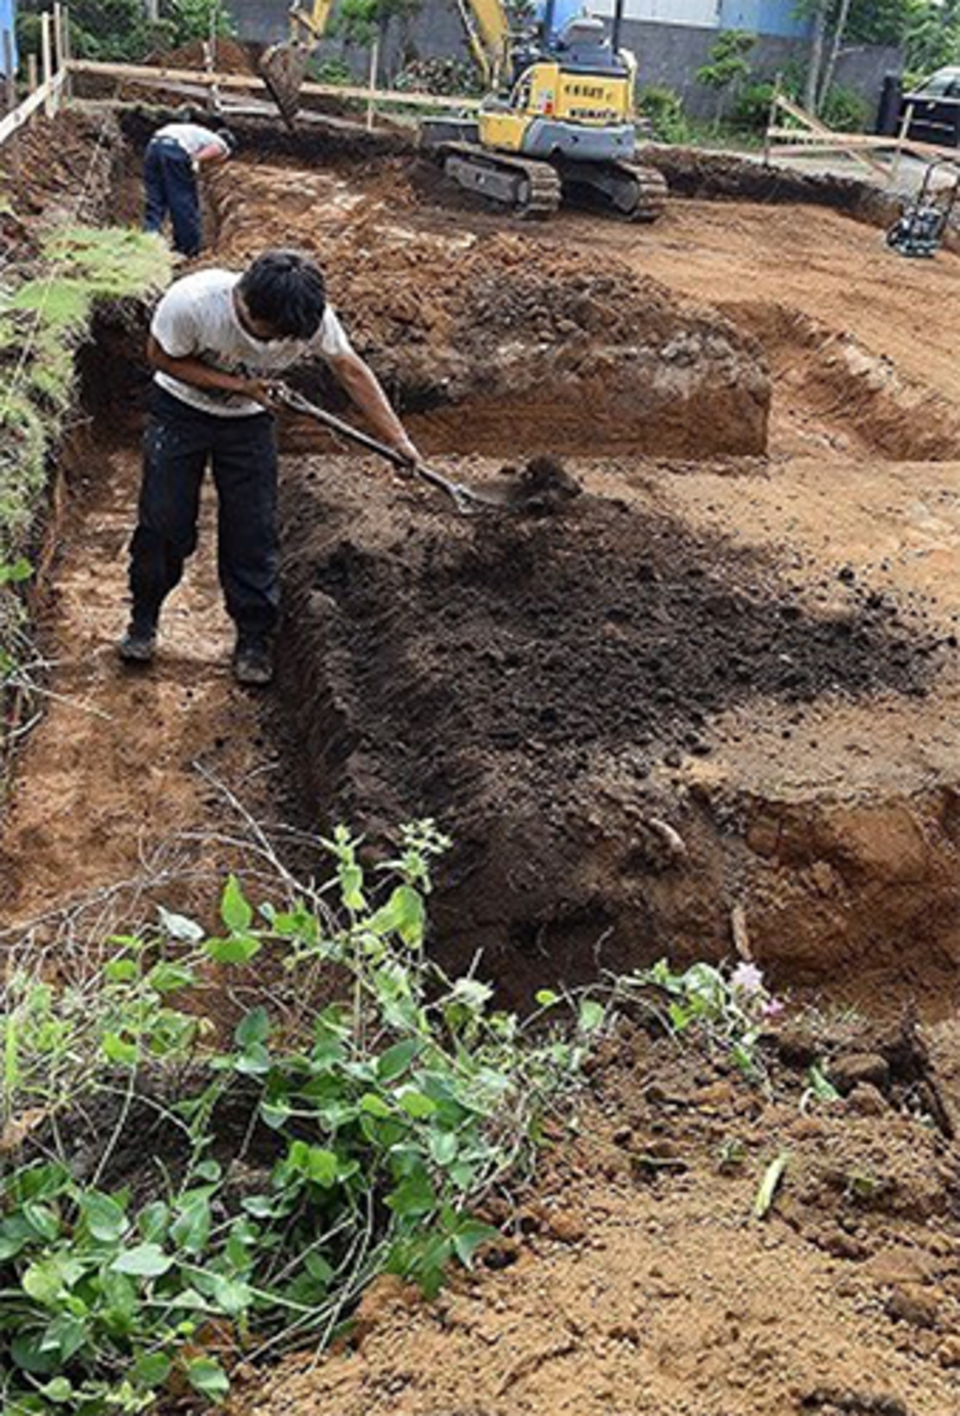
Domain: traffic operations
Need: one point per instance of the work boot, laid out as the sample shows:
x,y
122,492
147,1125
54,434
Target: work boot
x,y
140,641
253,660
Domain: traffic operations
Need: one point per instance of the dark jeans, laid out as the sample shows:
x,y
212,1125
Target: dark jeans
x,y
177,444
170,186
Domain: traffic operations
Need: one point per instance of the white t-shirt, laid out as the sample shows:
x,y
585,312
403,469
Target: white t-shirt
x,y
196,319
192,137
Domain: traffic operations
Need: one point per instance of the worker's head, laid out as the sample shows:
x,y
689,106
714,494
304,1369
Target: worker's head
x,y
281,296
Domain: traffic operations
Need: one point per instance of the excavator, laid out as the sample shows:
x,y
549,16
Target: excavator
x,y
558,122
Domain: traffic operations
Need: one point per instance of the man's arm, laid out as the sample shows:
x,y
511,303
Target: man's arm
x,y
212,153
200,375
361,383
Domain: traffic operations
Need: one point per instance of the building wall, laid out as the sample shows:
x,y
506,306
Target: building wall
x,y
668,52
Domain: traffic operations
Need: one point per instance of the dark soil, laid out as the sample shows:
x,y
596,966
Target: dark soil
x,y
522,679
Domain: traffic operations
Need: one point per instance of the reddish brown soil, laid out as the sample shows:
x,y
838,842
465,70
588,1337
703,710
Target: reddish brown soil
x,y
638,1281
531,335
50,171
830,823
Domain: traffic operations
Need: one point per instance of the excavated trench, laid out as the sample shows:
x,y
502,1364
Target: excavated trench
x,y
573,696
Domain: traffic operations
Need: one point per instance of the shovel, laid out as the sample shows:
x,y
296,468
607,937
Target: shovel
x,y
466,499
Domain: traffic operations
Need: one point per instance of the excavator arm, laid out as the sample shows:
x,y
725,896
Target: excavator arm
x,y
283,67
488,34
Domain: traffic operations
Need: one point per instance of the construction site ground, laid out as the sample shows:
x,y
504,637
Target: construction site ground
x,y
711,702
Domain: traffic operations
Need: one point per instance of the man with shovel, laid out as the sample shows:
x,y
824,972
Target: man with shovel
x,y
216,341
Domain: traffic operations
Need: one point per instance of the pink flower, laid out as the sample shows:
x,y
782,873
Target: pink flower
x,y
772,1007
747,978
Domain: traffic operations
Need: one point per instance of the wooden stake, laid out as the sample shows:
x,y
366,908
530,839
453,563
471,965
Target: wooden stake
x,y
46,53
898,150
771,119
10,78
372,82
67,52
32,80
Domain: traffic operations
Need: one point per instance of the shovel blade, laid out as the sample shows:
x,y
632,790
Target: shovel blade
x,y
283,68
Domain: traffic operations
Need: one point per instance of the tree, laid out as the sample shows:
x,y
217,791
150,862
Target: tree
x,y
728,66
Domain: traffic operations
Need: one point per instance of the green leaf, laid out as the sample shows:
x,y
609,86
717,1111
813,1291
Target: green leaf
x,y
318,1268
254,1062
42,1220
151,1369
12,572
591,1015
208,1378
469,1236
235,911
374,1105
153,1221
59,1390
118,1049
143,1261
27,1352
417,1105
413,1197
232,1295
167,977
238,949
403,914
253,1027
104,1218
443,1147
121,970
546,998
395,1061
322,1166
177,926
191,1229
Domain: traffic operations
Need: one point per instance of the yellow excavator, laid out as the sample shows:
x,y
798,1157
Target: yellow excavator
x,y
559,120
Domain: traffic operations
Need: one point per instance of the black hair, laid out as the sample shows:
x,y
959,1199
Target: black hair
x,y
228,136
286,291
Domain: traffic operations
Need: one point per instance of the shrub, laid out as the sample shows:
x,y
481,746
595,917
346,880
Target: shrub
x,y
664,108
845,109
751,110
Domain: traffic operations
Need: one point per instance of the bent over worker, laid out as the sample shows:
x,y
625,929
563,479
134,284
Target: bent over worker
x,y
174,155
215,340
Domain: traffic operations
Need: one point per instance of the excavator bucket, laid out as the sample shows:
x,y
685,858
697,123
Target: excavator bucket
x,y
283,68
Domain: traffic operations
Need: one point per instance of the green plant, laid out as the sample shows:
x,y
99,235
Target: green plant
x,y
845,110
729,1009
319,1148
191,20
731,1155
751,107
42,321
727,68
664,109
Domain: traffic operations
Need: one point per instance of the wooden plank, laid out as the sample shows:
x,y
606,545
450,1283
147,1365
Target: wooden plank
x,y
157,76
46,54
815,126
869,141
28,107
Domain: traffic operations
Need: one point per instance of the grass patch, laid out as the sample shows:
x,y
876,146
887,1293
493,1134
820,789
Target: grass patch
x,y
42,322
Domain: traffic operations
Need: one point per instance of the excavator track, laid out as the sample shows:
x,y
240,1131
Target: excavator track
x,y
530,188
626,189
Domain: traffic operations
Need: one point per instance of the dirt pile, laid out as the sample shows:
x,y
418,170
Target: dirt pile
x,y
634,1279
53,170
229,57
529,682
530,335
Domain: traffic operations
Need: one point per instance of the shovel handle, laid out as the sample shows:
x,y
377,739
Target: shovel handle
x,y
299,404
337,425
